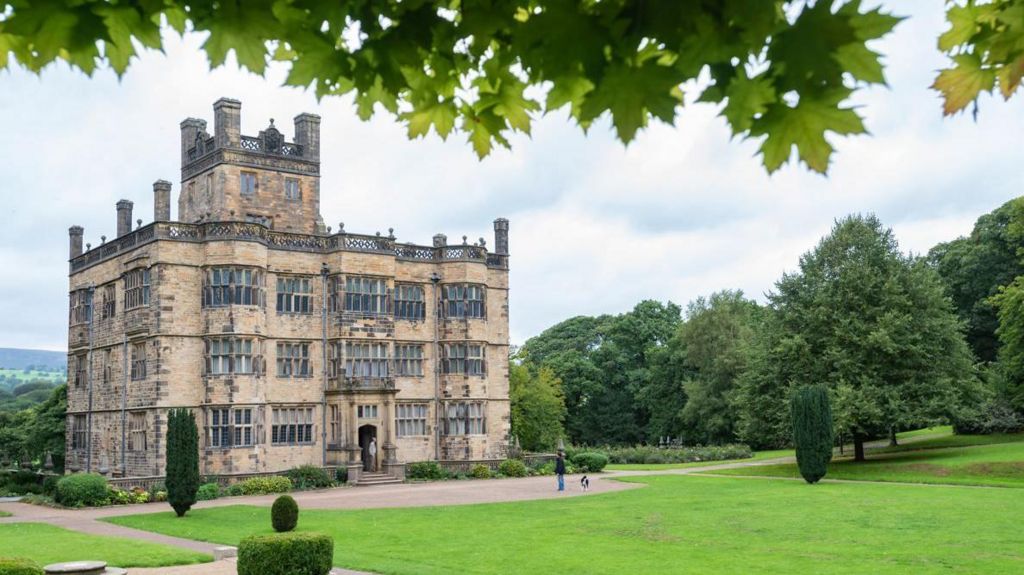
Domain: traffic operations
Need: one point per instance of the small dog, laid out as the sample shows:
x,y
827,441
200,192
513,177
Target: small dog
x,y
585,483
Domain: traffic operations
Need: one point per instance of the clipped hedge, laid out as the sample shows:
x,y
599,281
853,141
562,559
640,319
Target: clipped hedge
x,y
589,461
262,486
19,566
512,468
284,514
82,489
652,454
309,477
208,491
286,554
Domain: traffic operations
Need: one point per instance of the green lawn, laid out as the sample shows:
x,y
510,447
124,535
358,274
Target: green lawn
x,y
940,429
46,544
951,440
998,464
677,524
758,456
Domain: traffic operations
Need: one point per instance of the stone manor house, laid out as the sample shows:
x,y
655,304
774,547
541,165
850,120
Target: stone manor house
x,y
291,343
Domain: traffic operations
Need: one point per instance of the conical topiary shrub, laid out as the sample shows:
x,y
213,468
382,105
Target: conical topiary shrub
x,y
812,431
182,460
284,515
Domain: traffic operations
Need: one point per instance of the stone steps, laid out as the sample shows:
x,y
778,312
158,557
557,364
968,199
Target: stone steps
x,y
377,479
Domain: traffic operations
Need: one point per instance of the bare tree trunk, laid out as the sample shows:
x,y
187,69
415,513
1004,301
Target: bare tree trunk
x,y
892,436
858,447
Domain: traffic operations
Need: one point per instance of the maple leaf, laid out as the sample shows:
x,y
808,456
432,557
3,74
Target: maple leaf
x,y
961,84
440,115
747,99
630,93
804,126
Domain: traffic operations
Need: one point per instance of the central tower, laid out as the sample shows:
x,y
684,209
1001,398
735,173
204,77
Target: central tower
x,y
262,179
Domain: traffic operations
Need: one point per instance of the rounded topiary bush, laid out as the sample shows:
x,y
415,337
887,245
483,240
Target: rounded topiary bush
x,y
81,489
512,468
284,515
18,566
589,461
425,470
480,471
208,491
286,554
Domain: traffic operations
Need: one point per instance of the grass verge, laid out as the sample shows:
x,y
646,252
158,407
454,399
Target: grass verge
x,y
677,524
758,456
46,544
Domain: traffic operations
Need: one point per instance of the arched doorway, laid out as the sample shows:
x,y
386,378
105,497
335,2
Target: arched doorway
x,y
368,433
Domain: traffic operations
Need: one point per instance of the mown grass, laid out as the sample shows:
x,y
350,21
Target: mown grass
x,y
676,524
46,544
758,456
974,460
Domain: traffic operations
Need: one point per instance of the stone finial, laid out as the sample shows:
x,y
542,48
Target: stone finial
x,y
75,234
501,236
391,233
483,242
440,240
465,240
161,201
341,227
124,217
138,223
88,246
103,240
328,229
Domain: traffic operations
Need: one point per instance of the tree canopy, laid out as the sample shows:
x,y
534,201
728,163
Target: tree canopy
x,y
782,71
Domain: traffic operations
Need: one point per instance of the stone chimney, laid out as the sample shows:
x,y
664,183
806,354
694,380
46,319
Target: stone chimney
x,y
501,236
440,240
161,201
190,128
76,232
227,123
124,217
307,135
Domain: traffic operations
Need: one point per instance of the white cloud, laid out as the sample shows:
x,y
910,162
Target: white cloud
x,y
595,227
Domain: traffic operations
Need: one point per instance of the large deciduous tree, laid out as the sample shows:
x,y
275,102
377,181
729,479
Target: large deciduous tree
x,y
538,406
874,326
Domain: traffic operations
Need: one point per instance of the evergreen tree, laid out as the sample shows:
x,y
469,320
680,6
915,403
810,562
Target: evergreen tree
x,y
812,431
182,460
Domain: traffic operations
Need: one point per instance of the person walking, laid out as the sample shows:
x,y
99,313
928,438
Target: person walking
x,y
560,470
373,454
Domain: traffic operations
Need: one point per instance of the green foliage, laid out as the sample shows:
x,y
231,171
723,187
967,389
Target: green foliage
x,y
20,482
812,431
425,470
341,475
182,460
538,406
286,554
603,364
18,566
480,471
33,432
476,68
208,491
984,42
875,327
309,477
654,455
976,266
82,490
590,461
263,486
512,468
284,514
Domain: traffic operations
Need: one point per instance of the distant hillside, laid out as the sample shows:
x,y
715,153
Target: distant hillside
x,y
14,358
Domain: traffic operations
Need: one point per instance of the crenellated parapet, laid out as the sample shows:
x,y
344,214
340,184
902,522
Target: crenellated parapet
x,y
254,232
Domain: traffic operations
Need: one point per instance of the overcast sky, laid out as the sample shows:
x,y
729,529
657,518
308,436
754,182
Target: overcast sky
x,y
595,227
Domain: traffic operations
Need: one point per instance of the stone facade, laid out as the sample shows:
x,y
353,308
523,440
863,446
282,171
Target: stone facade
x,y
291,344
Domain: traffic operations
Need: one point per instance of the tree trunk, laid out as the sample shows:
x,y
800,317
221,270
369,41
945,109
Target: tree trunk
x,y
892,437
858,447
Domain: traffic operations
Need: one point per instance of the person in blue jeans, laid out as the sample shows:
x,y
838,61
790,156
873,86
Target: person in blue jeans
x,y
560,470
